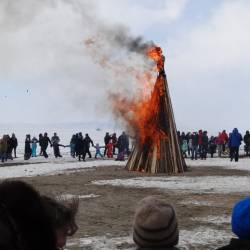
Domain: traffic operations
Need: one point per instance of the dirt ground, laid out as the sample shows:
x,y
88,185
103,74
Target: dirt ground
x,y
112,211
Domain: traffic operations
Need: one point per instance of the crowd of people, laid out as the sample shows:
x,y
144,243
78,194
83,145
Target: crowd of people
x,y
29,220
198,145
79,146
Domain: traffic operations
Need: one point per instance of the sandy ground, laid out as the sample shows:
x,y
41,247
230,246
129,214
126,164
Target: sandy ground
x,y
110,213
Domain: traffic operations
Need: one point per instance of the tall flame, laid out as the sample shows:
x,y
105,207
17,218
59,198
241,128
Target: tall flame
x,y
145,116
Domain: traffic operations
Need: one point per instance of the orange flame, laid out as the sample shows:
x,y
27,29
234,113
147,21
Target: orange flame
x,y
144,116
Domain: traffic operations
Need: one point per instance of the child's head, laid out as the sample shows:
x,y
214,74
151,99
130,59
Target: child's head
x,y
155,223
97,144
241,219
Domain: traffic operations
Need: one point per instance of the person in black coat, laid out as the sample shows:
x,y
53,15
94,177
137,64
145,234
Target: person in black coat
x,y
44,142
14,144
204,145
107,139
27,148
247,142
80,147
87,142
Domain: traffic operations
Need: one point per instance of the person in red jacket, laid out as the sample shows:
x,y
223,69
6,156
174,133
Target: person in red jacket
x,y
225,140
219,143
109,147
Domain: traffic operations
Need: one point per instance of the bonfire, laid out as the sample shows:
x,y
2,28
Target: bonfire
x,y
156,148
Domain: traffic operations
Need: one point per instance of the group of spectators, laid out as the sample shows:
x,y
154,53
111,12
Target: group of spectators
x,y
29,220
198,144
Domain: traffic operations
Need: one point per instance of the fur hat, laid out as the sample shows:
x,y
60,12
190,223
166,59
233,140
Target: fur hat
x,y
155,223
241,219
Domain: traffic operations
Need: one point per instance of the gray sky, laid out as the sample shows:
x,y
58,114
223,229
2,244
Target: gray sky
x,y
206,44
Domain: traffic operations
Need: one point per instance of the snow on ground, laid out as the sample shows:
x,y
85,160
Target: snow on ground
x,y
51,166
242,164
72,196
200,203
201,236
217,220
202,184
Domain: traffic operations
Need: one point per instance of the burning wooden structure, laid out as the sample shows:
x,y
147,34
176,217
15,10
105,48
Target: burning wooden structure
x,y
156,148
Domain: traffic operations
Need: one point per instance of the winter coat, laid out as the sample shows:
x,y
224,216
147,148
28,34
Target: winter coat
x,y
88,141
224,137
204,140
235,138
195,139
107,139
55,140
237,244
247,139
44,141
3,146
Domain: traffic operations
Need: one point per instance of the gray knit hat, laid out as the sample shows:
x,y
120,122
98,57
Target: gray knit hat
x,y
155,223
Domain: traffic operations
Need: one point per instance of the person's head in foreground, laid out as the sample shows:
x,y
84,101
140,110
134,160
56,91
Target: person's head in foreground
x,y
155,224
240,226
62,217
29,221
24,222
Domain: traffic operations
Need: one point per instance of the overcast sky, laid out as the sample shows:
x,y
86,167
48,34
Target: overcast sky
x,y
47,75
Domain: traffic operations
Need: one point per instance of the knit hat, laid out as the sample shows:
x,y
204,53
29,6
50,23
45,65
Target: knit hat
x,y
241,219
155,223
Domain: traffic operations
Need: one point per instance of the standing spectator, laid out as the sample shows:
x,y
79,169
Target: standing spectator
x,y
27,148
110,149
212,146
204,145
34,142
14,144
200,142
45,141
3,148
247,142
73,146
55,144
189,142
224,139
88,141
195,139
40,139
114,140
234,144
106,141
184,148
219,143
9,148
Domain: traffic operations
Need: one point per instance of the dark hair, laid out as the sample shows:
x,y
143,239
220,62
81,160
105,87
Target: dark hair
x,y
62,215
25,217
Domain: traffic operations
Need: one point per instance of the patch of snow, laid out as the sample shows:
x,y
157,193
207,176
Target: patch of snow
x,y
217,220
198,203
104,243
52,166
71,196
202,184
242,164
204,237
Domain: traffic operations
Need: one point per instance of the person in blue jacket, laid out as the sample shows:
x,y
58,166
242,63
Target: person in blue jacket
x,y
234,142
